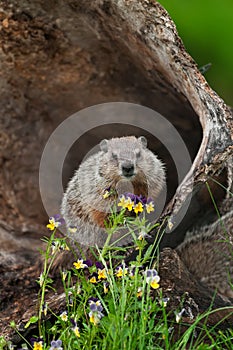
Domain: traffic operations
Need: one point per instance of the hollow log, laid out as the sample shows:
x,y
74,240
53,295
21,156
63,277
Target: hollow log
x,y
59,57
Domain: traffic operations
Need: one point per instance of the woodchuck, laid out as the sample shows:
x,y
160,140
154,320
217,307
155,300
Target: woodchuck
x,y
207,252
123,164
126,162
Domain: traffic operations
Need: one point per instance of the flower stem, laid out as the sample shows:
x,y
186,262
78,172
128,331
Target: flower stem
x,y
47,267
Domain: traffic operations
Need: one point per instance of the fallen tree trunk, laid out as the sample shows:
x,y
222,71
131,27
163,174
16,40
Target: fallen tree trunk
x,y
59,59
151,39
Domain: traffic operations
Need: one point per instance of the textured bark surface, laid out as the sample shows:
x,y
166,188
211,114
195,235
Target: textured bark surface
x,y
58,57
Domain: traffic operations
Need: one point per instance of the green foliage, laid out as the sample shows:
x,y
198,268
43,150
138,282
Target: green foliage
x,y
111,305
206,29
3,342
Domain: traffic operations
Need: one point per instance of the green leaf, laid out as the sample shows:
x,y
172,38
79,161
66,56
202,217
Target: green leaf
x,y
33,319
2,342
12,324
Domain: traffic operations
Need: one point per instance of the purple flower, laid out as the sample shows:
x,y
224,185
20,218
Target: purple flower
x,y
56,345
132,271
96,306
88,262
131,196
96,309
121,270
73,322
149,199
55,221
136,199
151,273
92,299
108,189
37,343
152,278
142,235
142,199
106,286
164,301
99,265
37,340
59,219
70,299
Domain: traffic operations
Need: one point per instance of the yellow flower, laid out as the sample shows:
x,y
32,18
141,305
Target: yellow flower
x,y
78,289
76,331
94,319
55,221
139,292
64,274
102,274
150,207
121,272
93,279
129,204
79,264
154,284
123,202
64,316
142,235
138,208
41,279
106,194
170,225
105,288
152,278
72,229
52,223
38,345
51,226
96,311
126,203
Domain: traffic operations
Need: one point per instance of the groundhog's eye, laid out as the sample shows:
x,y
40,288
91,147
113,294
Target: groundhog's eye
x,y
114,155
138,153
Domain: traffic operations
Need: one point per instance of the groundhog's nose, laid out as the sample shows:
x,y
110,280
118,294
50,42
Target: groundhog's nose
x,y
128,170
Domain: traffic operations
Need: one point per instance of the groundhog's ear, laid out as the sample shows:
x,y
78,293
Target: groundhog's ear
x,y
104,145
143,141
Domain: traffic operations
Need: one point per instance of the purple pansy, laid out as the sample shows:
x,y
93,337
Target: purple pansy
x,y
56,345
99,265
88,262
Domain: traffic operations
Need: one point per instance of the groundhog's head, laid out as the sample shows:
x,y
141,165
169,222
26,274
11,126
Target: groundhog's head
x,y
122,157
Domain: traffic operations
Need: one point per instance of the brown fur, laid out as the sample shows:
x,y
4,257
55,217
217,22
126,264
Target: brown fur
x,y
98,217
124,165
